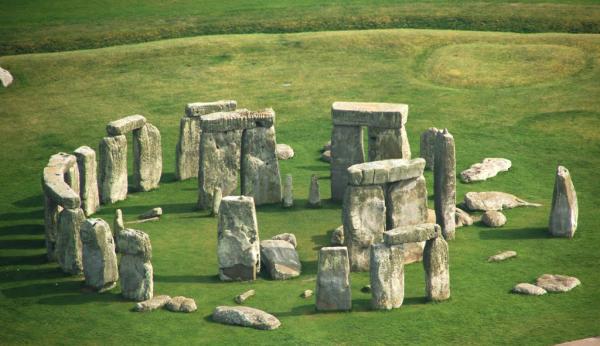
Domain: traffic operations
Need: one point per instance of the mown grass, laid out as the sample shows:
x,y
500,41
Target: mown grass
x,y
42,26
61,101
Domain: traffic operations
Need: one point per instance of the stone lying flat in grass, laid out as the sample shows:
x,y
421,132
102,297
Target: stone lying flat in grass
x,y
462,218
125,125
284,152
5,77
289,237
490,167
245,317
241,298
153,303
181,304
502,256
306,294
595,341
280,259
557,283
411,234
154,212
326,156
493,218
529,289
494,200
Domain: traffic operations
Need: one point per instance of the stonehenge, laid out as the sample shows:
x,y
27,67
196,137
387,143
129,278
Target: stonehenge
x,y
444,183
333,291
135,269
99,256
112,175
88,187
387,137
564,211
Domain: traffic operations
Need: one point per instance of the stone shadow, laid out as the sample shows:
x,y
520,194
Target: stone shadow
x,y
22,244
300,204
18,275
322,240
78,298
24,260
26,229
26,215
519,233
30,202
207,279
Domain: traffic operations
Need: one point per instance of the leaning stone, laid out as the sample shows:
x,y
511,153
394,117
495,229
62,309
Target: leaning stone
x,y
385,171
437,272
181,304
306,294
314,196
492,218
99,257
260,176
347,149
382,115
217,197
241,298
462,218
557,283
112,175
288,192
245,317
494,201
333,280
502,256
444,183
280,259
198,109
68,241
387,277
187,153
428,147
5,77
337,237
289,237
151,304
326,156
88,187
125,125
529,289
284,152
388,144
154,212
241,119
490,167
135,269
147,158
411,234
564,212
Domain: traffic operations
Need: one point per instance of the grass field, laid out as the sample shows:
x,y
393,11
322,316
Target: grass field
x,y
41,26
533,99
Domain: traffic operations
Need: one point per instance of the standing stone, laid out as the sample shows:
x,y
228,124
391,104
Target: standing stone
x,y
118,226
333,280
238,246
387,276
428,147
99,257
363,217
346,150
88,186
147,158
135,269
288,192
564,212
68,241
72,178
388,144
220,157
437,270
112,175
314,196
51,212
260,167
187,153
444,183
217,197
280,259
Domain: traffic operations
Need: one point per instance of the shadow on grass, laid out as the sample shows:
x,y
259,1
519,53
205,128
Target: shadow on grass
x,y
316,168
520,233
322,240
207,279
33,274
24,260
27,215
30,202
22,244
27,229
78,298
300,205
44,289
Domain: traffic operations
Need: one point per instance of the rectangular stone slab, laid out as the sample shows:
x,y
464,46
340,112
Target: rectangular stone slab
x,y
147,158
260,176
384,115
444,183
411,234
387,276
346,150
385,171
388,144
406,202
198,109
333,292
237,120
125,125
86,162
112,169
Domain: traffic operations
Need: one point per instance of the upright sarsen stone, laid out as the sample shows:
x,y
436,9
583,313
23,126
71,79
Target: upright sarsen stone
x,y
147,158
437,270
135,269
88,186
428,147
564,212
387,276
288,192
444,183
388,144
346,150
333,280
314,195
68,241
112,175
99,257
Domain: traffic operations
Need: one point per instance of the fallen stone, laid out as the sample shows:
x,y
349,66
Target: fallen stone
x,y
246,317
333,280
382,115
197,109
147,158
5,77
68,241
217,197
280,259
366,289
284,152
462,218
428,147
112,175
385,171
125,125
493,218
99,256
135,269
151,304
288,192
594,341
240,119
260,177
411,234
564,212
490,167
437,272
152,219
557,283
181,304
347,149
337,237
289,237
306,294
314,196
387,276
494,200
88,186
502,256
444,183
154,212
326,156
529,289
241,298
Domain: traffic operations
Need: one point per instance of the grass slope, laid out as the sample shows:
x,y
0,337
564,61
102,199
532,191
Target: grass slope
x,y
545,116
43,26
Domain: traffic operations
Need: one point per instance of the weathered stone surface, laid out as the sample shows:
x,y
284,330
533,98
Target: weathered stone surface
x,y
245,317
99,257
385,171
493,218
557,283
406,203
413,252
306,294
135,243
68,241
260,167
529,289
154,212
112,169
220,162
430,215
187,150
288,192
238,246
289,237
363,216
197,109
388,144
326,156
564,212
444,183
118,224
333,280
411,234
382,115
494,200
437,271
135,269
51,212
88,186
314,196
284,152
462,218
217,197
387,276
151,304
241,298
125,125
147,158
181,304
280,259
490,167
346,150
502,256
337,237
5,77
594,341
428,147
58,180
240,119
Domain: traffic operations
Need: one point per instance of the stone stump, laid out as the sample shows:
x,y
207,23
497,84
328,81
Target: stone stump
x,y
135,269
564,211
333,291
387,276
68,240
428,147
147,158
99,257
437,271
86,162
314,196
112,175
260,166
444,183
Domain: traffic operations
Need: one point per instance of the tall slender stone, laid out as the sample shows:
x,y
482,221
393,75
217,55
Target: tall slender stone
x,y
564,212
428,147
112,175
99,257
68,241
314,196
333,291
135,270
444,183
388,144
346,150
86,162
437,270
387,276
217,197
147,158
260,167
288,192
51,212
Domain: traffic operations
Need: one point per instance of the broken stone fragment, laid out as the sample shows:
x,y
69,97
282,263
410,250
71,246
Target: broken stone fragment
x,y
246,317
493,218
289,237
564,212
217,197
284,152
154,212
118,224
306,294
326,156
462,218
494,200
502,256
557,283
490,167
99,257
337,237
153,303
181,304
280,259
241,298
411,234
125,125
314,196
528,289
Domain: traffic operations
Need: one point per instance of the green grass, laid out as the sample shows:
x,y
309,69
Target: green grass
x,y
42,26
63,100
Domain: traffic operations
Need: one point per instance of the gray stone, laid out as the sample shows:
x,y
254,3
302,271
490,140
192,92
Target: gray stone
x,y
502,256
388,144
557,283
154,212
197,109
112,169
289,237
135,269
337,237
564,212
490,167
88,186
314,196
58,180
363,216
288,192
151,304
240,119
387,277
385,171
444,183
5,77
406,203
346,150
437,271
51,212
99,257
125,125
245,317
333,280
529,289
493,218
280,259
382,115
217,197
238,247
187,150
430,215
181,304
494,200
68,241
135,243
462,218
241,298
260,167
306,294
147,158
428,147
284,152
118,224
326,156
411,234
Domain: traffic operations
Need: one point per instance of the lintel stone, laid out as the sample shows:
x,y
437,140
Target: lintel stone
x,y
372,114
411,234
237,120
126,124
197,109
385,171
